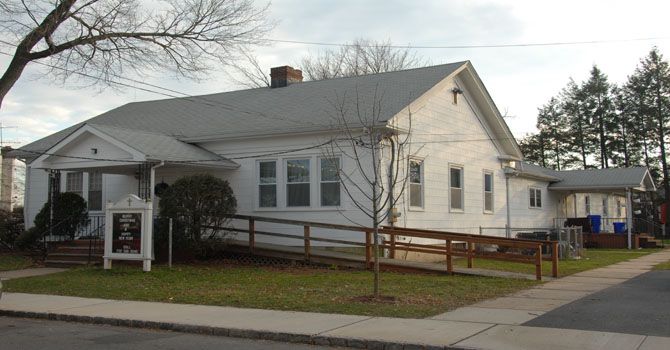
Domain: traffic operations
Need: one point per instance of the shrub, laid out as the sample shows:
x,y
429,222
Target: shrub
x,y
200,206
69,214
29,239
11,226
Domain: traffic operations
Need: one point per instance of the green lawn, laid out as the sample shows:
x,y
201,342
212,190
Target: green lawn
x,y
593,258
663,266
14,262
300,289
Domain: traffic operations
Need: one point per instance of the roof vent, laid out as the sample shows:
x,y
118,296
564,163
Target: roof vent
x,y
284,76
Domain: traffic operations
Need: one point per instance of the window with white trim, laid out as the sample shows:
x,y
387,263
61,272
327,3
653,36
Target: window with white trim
x,y
330,182
618,208
456,188
95,191
267,184
488,192
606,209
298,183
416,183
74,183
587,204
535,196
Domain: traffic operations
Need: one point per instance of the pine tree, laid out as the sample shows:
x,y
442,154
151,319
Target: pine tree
x,y
598,108
553,127
581,140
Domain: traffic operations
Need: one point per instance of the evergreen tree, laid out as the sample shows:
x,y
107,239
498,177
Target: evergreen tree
x,y
598,109
553,128
534,148
581,139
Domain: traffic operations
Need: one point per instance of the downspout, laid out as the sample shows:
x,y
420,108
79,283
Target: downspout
x,y
509,217
629,216
391,213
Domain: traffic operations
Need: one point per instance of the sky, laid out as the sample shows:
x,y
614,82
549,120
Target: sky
x,y
520,79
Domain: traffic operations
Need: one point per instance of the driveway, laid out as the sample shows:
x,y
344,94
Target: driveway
x,y
640,305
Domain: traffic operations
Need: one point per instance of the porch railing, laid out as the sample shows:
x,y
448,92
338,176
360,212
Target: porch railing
x,y
447,244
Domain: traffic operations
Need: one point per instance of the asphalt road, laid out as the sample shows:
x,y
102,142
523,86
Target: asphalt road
x,y
638,306
28,334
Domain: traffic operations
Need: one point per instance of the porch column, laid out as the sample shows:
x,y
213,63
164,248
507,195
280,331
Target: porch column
x,y
629,216
53,189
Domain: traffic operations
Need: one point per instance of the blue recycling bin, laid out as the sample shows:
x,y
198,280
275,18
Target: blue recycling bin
x,y
595,223
619,227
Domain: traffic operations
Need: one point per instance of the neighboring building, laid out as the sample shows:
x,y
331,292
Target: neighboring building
x,y
12,181
467,167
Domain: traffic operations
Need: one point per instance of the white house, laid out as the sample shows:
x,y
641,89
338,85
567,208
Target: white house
x,y
468,171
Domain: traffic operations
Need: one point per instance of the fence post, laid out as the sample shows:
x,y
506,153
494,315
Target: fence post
x,y
170,243
392,250
471,253
368,249
306,231
450,265
252,235
538,262
554,259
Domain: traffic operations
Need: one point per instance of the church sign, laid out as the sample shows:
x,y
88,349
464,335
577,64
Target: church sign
x,y
128,231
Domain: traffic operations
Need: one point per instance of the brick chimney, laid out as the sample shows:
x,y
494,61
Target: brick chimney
x,y
284,76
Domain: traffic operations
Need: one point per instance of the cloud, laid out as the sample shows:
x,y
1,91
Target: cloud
x,y
519,79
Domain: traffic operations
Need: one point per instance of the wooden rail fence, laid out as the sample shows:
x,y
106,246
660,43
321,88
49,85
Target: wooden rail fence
x,y
507,249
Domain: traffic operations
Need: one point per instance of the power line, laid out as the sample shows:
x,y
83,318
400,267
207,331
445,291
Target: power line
x,y
486,46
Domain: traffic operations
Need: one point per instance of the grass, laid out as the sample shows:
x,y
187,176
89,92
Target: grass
x,y
14,262
663,266
593,258
295,288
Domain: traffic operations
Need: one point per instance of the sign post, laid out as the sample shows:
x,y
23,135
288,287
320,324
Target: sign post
x,y
128,231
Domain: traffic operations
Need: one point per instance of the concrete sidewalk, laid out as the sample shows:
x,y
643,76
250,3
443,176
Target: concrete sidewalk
x,y
30,272
493,324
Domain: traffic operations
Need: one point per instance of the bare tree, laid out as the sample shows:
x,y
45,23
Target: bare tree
x,y
361,57
102,39
380,152
248,72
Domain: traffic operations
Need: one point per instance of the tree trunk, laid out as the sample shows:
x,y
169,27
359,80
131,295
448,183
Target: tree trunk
x,y
12,74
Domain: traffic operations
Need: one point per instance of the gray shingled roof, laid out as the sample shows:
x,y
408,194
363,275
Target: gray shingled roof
x,y
593,179
162,147
299,107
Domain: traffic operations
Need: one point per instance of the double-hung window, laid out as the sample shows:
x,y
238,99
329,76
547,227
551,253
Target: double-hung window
x,y
456,188
488,192
416,183
74,183
267,184
535,195
330,182
587,204
95,191
298,183
606,209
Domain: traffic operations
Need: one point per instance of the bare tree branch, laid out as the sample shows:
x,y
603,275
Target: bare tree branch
x,y
107,38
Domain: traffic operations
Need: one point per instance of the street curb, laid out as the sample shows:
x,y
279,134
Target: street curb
x,y
231,332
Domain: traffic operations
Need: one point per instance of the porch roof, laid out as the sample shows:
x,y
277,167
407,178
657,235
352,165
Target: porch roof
x,y
141,146
593,180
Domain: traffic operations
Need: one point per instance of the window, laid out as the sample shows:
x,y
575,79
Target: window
x,y
606,210
297,183
587,205
95,191
618,208
488,192
416,183
74,182
330,182
267,184
456,188
535,195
